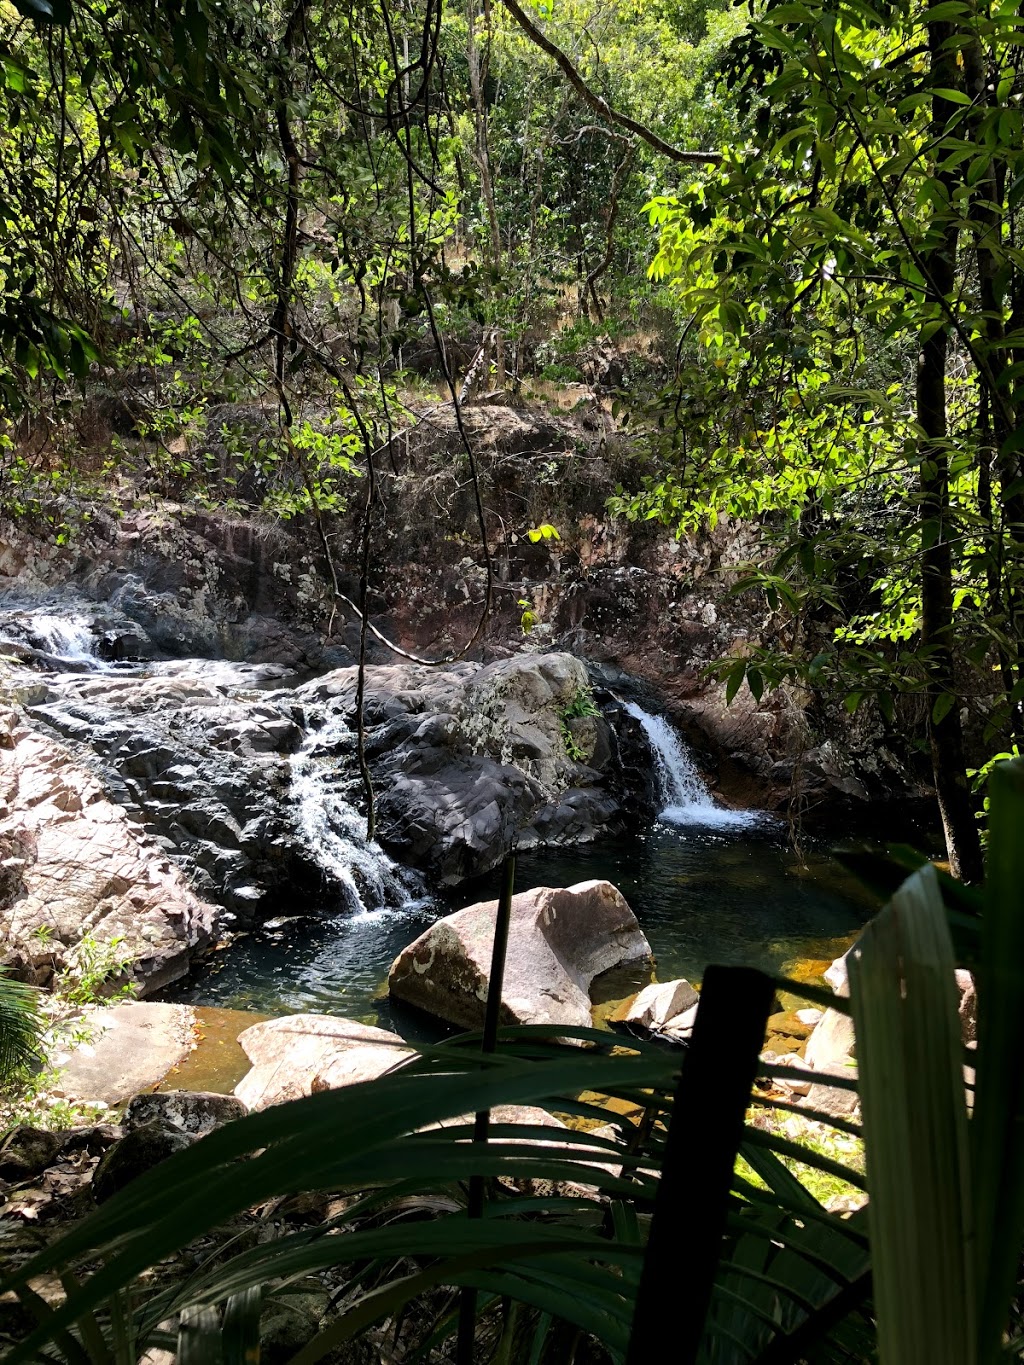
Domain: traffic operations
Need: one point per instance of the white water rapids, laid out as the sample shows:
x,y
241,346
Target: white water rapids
x,y
373,884
681,789
66,637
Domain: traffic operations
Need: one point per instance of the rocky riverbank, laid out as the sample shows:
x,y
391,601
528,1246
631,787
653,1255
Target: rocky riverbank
x,y
196,798
163,579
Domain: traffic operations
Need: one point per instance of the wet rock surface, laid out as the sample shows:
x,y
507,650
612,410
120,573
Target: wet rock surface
x,y
249,781
198,756
465,757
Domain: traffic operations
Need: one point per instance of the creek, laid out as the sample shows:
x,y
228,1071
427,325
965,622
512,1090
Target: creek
x,y
707,883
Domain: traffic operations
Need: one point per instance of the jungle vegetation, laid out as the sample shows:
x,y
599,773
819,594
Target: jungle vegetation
x,y
815,207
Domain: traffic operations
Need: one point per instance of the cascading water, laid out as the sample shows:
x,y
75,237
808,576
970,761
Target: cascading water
x,y
65,637
336,832
681,789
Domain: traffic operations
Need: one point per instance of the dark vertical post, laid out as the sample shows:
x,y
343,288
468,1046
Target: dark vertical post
x,y
492,1016
704,1135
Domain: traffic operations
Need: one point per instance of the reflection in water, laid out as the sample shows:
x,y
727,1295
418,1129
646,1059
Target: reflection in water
x,y
702,894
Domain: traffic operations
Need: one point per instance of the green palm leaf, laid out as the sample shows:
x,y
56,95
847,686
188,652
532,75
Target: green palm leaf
x,y
20,1026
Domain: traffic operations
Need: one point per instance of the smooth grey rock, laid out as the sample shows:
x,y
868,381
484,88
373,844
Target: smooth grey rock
x,y
127,1048
802,1078
302,1053
559,941
660,1004
464,757
837,977
198,756
830,1100
88,868
831,1042
680,1028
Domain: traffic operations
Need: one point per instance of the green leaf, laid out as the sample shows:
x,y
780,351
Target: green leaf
x,y
998,1120
20,1026
240,1333
944,703
734,679
199,1337
545,531
909,1055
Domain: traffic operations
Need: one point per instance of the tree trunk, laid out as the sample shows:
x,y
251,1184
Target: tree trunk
x,y
280,322
949,768
483,160
988,216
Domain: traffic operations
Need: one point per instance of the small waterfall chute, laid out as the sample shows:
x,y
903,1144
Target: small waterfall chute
x,y
335,831
684,796
65,637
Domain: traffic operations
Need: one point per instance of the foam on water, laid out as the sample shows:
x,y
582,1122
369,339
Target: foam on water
x,y
66,637
335,831
683,792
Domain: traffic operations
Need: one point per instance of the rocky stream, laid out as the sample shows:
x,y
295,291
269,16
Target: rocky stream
x,y
179,783
211,815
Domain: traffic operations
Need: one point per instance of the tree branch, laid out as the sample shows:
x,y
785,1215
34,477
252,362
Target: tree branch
x,y
600,106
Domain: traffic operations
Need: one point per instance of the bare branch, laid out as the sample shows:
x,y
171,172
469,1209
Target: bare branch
x,y
600,106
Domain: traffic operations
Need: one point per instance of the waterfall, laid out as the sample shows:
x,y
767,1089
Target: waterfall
x,y
335,831
66,637
681,789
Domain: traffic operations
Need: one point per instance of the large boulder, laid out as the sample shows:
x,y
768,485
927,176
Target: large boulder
x,y
199,755
559,941
85,869
463,757
303,1053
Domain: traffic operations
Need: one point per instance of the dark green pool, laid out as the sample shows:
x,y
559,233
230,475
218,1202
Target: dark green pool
x,y
732,894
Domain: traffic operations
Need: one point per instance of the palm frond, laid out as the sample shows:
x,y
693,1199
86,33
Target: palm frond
x,y
20,1026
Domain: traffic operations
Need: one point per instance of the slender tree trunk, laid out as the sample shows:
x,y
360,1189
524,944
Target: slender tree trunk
x,y
1002,418
483,160
280,322
949,768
